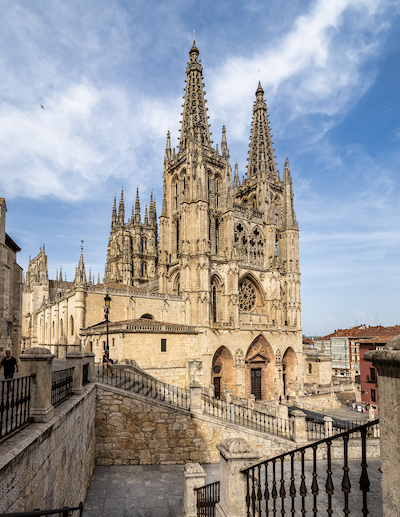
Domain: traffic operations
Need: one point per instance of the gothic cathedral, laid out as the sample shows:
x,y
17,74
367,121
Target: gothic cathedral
x,y
220,283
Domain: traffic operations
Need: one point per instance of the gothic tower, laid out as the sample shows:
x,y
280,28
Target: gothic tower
x,y
196,203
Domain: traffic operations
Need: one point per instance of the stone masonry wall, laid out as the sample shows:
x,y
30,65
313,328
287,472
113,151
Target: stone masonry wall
x,y
131,430
50,465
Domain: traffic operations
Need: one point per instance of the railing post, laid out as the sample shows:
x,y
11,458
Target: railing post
x,y
38,361
194,477
328,426
211,390
387,362
75,359
228,395
89,357
300,429
251,401
235,454
196,404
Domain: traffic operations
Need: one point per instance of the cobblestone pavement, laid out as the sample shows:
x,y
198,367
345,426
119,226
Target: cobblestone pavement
x,y
157,490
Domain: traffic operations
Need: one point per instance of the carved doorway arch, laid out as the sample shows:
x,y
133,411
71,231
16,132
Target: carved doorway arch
x,y
223,374
260,367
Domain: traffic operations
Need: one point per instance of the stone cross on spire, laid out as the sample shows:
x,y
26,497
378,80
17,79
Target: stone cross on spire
x,y
195,120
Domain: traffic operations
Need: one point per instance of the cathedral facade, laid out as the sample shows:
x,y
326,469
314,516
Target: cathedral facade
x,y
211,293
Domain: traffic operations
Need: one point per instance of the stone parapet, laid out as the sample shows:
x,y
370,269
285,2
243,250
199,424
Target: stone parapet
x,y
194,477
75,360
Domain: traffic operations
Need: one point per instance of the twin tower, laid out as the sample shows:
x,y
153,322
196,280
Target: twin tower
x,y
228,248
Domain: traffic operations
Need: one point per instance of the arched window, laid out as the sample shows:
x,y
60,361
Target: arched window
x,y
147,317
309,368
216,192
71,325
177,236
216,235
53,327
214,304
61,328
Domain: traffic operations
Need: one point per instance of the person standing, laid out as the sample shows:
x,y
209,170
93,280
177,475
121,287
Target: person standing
x,y
10,365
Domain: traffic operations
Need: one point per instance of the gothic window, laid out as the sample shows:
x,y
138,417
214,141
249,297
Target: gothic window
x,y
72,325
177,236
177,284
214,304
53,329
216,235
61,328
247,296
216,192
309,368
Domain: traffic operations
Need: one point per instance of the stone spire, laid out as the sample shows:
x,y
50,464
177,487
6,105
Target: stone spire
x,y
114,213
236,180
195,120
80,276
224,147
152,211
146,219
168,149
133,216
137,207
261,154
289,216
121,210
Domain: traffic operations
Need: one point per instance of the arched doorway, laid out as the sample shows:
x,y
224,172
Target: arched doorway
x,y
289,371
223,374
260,366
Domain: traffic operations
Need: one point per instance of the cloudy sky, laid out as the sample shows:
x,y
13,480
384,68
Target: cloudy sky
x,y
110,75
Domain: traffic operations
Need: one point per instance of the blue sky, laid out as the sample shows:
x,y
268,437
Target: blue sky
x,y
110,75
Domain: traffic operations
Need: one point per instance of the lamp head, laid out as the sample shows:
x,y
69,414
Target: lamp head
x,y
107,300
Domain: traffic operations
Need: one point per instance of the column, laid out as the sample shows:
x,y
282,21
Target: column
x,y
387,362
300,430
89,357
235,455
38,361
75,360
194,477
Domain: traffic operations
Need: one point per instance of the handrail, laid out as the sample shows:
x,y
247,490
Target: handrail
x,y
265,487
15,397
64,512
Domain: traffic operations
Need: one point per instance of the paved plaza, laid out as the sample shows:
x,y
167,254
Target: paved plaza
x,y
157,490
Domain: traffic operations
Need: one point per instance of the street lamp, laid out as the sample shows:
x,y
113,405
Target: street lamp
x,y
107,301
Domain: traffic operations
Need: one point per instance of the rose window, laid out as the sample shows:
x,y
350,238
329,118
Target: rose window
x,y
247,297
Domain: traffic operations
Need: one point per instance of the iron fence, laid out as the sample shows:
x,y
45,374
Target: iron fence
x,y
130,380
316,429
299,474
247,417
14,404
61,512
61,387
207,497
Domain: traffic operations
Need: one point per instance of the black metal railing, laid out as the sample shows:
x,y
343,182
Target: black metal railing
x,y
317,429
247,417
304,480
62,512
61,387
207,497
85,374
14,404
142,384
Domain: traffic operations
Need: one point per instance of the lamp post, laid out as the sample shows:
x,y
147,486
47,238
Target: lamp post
x,y
107,301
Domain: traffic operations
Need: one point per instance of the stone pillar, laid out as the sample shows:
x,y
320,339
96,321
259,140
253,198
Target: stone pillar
x,y
90,356
194,477
196,404
328,426
300,430
38,361
387,362
75,359
250,401
235,455
282,412
228,395
211,390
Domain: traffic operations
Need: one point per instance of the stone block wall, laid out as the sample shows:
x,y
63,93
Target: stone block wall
x,y
50,465
131,430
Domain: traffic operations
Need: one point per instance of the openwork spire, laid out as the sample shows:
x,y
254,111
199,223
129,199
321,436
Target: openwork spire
x,y
289,216
114,213
80,276
195,120
261,154
121,209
